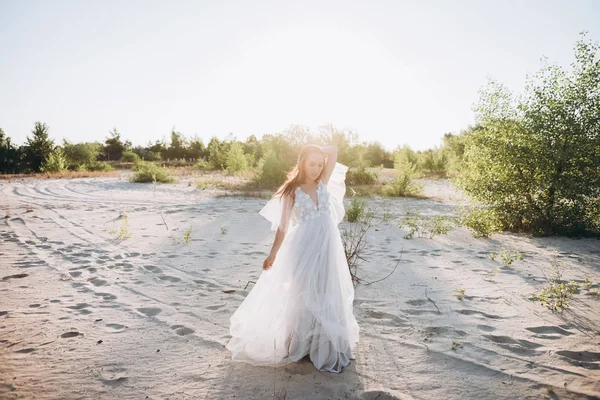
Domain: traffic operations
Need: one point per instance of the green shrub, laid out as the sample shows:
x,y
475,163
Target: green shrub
x,y
236,159
481,221
95,166
357,210
130,156
56,162
148,172
272,170
360,176
535,158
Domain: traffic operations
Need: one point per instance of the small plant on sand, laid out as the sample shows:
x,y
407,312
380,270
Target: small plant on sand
x,y
459,293
357,210
510,256
187,236
493,255
588,286
456,345
439,225
124,232
425,227
145,171
491,274
223,230
7,213
556,294
482,222
387,215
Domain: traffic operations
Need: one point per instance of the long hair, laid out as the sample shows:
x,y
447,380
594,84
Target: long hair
x,y
296,174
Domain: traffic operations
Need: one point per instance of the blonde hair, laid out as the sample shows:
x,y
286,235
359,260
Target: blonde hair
x,y
296,174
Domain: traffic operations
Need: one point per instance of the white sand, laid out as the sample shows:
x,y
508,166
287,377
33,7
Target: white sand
x,y
85,315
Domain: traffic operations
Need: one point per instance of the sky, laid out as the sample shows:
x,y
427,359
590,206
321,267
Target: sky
x,y
396,72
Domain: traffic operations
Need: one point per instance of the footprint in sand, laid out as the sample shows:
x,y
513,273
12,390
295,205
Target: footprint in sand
x,y
17,276
149,311
206,283
486,328
71,334
446,331
79,306
182,330
152,268
584,356
417,302
169,278
549,330
386,319
106,296
215,307
3,313
517,346
472,312
75,274
115,328
25,351
97,281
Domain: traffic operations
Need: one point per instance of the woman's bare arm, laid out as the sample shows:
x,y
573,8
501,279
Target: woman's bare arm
x,y
331,153
280,234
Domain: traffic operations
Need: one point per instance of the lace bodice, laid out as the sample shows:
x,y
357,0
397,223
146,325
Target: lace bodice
x,y
304,206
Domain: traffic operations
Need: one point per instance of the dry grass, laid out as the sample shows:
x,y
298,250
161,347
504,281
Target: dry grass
x,y
62,175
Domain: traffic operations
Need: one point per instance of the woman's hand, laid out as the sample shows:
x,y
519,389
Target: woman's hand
x,y
268,262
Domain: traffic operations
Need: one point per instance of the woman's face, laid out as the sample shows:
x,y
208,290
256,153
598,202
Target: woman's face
x,y
313,165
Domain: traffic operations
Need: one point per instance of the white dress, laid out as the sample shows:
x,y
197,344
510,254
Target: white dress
x,y
303,303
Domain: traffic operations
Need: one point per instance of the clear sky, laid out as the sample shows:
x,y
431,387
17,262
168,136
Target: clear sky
x,y
399,72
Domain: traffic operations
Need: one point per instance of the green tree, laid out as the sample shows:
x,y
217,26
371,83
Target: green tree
x,y
78,154
10,156
38,147
536,161
56,161
177,149
114,148
197,149
236,159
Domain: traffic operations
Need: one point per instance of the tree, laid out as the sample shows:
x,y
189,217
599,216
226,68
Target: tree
x,y
78,154
114,147
536,161
177,148
197,149
236,159
10,156
38,147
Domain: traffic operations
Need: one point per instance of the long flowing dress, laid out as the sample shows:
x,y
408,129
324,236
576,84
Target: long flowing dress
x,y
303,304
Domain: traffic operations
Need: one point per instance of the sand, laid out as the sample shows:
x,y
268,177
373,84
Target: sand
x,y
86,314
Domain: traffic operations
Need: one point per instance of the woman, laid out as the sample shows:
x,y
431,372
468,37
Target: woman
x,y
302,303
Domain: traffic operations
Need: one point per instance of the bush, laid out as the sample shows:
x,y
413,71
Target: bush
x,y
148,172
426,227
56,162
236,159
81,153
152,156
481,221
130,156
535,159
272,170
403,185
357,210
202,164
95,166
360,176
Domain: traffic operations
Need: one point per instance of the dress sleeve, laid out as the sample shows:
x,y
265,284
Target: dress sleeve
x,y
278,211
337,190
